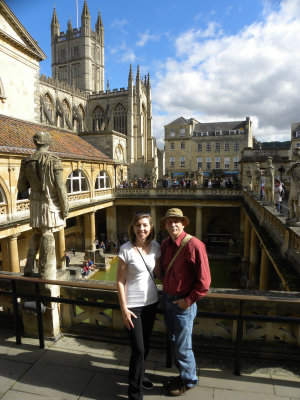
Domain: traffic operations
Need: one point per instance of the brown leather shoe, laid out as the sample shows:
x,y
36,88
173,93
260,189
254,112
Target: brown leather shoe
x,y
178,388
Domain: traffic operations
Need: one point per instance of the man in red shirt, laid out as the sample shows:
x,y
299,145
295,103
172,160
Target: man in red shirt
x,y
185,282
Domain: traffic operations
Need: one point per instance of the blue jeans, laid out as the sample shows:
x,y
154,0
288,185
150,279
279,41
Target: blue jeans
x,y
180,328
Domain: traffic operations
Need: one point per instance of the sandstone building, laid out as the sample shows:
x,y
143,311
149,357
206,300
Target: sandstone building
x,y
217,146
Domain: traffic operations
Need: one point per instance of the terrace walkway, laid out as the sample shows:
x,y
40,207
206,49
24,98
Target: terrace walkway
x,y
82,369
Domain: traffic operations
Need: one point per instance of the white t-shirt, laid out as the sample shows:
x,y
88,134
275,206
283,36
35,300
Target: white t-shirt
x,y
140,289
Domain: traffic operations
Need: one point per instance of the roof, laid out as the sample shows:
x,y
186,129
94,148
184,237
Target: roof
x,y
179,121
219,126
16,136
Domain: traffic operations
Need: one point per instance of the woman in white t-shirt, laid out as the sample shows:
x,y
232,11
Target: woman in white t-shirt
x,y
138,296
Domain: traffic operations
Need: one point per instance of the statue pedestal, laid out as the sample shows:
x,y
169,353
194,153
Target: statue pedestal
x,y
51,321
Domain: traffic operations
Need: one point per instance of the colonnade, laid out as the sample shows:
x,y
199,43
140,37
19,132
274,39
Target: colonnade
x,y
10,249
256,261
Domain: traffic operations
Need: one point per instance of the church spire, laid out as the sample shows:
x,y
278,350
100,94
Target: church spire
x,y
99,24
86,20
55,28
70,28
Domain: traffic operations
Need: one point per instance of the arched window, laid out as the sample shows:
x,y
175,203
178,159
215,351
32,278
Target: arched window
x,y
67,110
102,181
23,195
120,119
49,106
77,182
98,119
2,196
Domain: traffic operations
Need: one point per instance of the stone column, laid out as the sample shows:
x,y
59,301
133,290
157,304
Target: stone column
x,y
199,222
265,266
111,223
153,218
243,218
13,254
60,247
5,255
253,261
89,231
247,240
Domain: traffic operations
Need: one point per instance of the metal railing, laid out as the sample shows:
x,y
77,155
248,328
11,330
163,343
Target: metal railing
x,y
240,317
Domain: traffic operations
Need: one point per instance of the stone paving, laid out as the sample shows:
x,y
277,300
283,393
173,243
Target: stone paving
x,y
81,369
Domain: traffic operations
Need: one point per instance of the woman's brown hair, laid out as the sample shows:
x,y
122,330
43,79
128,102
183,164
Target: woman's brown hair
x,y
135,219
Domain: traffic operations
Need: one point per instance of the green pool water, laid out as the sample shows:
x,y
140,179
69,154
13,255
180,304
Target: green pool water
x,y
218,268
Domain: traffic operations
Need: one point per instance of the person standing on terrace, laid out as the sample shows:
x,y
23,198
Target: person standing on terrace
x,y
185,273
138,296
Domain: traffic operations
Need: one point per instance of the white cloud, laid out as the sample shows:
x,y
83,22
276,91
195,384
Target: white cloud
x,y
123,53
146,37
254,73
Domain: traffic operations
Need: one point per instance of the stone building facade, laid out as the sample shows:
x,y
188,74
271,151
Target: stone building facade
x,y
212,147
118,121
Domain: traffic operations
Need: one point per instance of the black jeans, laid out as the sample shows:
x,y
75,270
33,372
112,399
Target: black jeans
x,y
140,340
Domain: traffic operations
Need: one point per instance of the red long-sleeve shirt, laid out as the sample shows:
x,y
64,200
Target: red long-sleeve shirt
x,y
190,273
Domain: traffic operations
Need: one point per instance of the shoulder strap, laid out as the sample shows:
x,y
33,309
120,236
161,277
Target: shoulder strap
x,y
185,240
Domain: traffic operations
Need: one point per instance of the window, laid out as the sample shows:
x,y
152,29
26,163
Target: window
x,y
172,134
67,110
172,161
208,146
236,146
102,181
236,163
50,109
182,161
120,119
2,197
208,163
172,146
182,145
218,133
217,163
76,182
199,162
204,133
232,132
297,135
226,163
218,146
226,146
199,147
182,132
298,144
98,119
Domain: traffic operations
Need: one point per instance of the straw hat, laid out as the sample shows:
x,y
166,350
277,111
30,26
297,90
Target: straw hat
x,y
175,213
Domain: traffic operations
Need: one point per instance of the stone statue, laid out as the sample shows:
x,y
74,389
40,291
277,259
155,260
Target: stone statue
x,y
256,173
199,177
249,177
294,197
269,181
42,173
154,177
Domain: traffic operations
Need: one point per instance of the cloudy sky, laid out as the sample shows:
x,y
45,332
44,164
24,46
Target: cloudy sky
x,y
213,60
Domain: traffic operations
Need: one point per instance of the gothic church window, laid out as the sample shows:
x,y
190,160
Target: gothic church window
x,y
77,182
98,119
49,106
102,181
67,110
120,119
